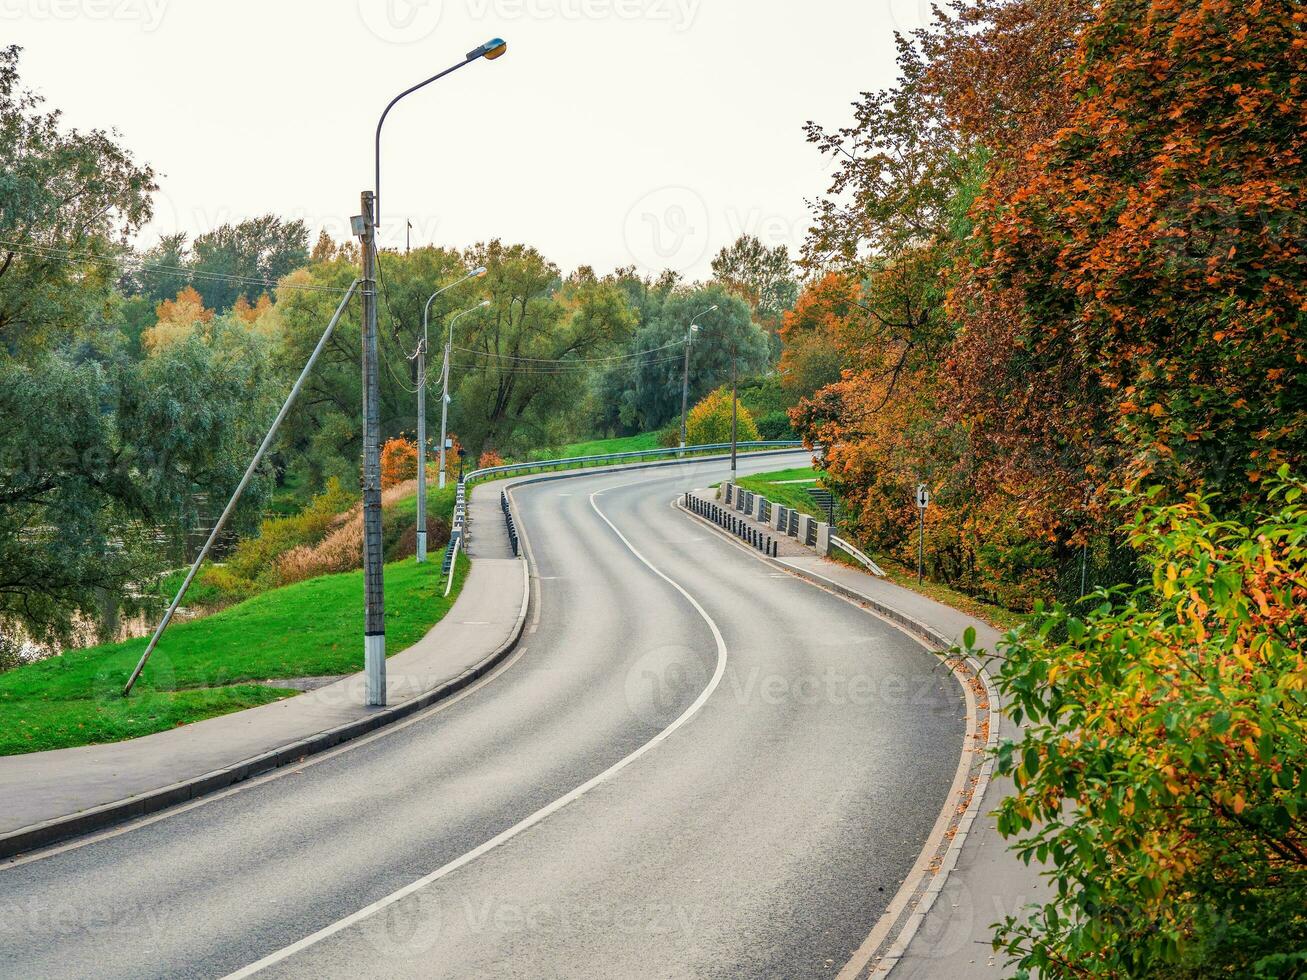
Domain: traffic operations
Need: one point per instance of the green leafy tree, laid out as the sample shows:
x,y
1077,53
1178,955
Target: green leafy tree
x,y
263,248
642,394
763,277
1162,771
523,364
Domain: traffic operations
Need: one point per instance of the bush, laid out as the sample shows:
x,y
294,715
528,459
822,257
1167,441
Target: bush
x,y
775,425
399,461
670,437
1161,770
710,421
256,559
230,587
489,458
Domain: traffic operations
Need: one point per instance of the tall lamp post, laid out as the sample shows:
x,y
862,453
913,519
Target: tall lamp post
x,y
444,394
685,373
365,226
735,407
421,356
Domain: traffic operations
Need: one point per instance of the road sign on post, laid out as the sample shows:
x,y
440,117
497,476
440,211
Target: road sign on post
x,y
923,501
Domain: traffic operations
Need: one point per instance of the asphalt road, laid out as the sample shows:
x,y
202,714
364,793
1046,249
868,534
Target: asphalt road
x,y
694,766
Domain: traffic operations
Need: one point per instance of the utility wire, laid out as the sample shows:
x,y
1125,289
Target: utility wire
x,y
136,263
555,369
568,360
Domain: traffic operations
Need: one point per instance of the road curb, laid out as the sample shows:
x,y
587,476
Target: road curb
x,y
106,815
889,939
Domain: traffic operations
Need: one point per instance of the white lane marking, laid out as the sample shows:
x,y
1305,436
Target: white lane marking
x,y
544,811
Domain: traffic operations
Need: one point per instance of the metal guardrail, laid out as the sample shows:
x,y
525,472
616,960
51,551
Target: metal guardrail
x,y
508,520
456,531
574,462
723,518
849,549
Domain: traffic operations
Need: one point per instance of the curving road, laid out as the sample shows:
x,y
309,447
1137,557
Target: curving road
x,y
694,765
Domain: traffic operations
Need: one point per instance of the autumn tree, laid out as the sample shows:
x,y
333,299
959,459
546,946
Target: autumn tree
x,y
1153,243
710,420
177,319
812,332
1159,774
399,461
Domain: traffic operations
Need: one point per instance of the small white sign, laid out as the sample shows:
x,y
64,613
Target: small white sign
x,y
923,496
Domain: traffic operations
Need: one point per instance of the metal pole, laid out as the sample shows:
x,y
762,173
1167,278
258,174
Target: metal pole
x,y
921,543
374,607
422,450
240,488
444,394
685,382
444,416
735,410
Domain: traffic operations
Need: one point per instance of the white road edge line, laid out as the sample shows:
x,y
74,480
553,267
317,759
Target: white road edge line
x,y
543,812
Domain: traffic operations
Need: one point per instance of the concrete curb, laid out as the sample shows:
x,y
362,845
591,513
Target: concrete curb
x,y
916,896
107,815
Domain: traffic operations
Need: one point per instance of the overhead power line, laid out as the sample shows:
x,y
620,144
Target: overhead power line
x,y
138,264
567,360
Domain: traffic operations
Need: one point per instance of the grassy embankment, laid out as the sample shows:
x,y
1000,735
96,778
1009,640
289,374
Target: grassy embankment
x,y
778,487
208,666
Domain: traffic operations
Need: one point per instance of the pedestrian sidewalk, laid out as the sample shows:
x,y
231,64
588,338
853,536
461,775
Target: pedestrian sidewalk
x,y
53,795
948,932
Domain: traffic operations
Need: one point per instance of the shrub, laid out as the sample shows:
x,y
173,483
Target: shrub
x,y
710,421
489,458
1161,770
399,461
256,559
229,586
670,437
775,425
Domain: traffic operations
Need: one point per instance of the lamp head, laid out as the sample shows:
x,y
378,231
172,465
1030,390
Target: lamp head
x,y
484,302
491,50
478,272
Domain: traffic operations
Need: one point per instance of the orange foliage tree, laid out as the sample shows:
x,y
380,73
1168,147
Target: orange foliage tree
x,y
1152,246
176,319
399,461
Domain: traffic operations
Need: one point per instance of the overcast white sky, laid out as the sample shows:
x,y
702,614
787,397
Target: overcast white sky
x,y
614,131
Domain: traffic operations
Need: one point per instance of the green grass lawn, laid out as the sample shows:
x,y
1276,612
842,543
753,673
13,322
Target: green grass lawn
x,y
777,488
596,447
440,503
311,628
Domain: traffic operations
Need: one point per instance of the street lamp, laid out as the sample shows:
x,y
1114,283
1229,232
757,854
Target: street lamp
x,y
685,373
374,606
491,50
421,356
444,396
